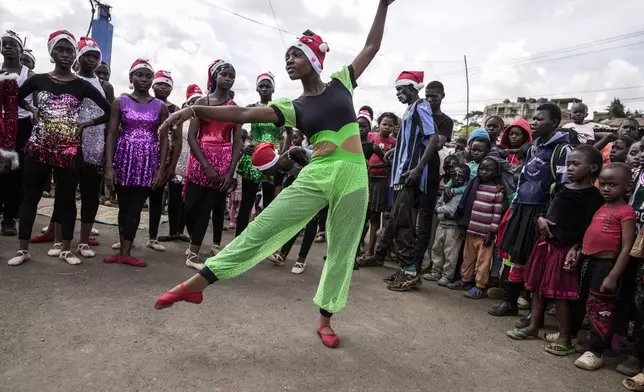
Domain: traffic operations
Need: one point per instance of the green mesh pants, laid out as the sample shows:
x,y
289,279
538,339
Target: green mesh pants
x,y
343,186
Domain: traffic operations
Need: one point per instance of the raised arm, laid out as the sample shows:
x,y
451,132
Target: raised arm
x,y
374,39
234,114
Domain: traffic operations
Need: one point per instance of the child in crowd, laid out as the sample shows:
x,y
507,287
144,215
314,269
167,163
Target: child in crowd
x,y
516,136
629,127
633,157
619,149
480,210
480,146
494,125
562,229
605,254
449,235
585,132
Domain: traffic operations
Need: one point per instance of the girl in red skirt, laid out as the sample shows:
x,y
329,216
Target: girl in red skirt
x,y
547,275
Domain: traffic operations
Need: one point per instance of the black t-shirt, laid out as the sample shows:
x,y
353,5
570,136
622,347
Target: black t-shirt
x,y
444,125
572,211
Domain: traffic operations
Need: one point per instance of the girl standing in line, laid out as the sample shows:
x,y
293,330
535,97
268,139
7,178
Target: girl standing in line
x,y
54,142
336,176
216,148
133,163
562,230
259,133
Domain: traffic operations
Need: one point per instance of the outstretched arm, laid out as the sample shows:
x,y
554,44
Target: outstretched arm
x,y
374,39
234,114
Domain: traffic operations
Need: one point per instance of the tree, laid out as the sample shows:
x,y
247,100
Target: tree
x,y
507,101
616,109
474,117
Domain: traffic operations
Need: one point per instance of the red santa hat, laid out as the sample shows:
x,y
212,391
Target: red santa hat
x,y
265,76
12,35
87,44
364,113
264,156
163,77
411,78
193,91
213,68
314,48
56,37
29,53
139,64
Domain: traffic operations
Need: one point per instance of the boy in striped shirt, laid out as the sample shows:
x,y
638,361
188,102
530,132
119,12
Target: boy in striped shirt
x,y
484,201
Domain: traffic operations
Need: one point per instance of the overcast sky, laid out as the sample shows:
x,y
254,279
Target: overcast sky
x,y
504,41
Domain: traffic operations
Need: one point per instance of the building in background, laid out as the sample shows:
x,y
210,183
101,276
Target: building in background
x,y
526,108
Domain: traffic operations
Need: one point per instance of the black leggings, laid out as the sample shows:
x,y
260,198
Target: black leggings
x,y
155,208
11,183
199,204
322,219
249,191
176,213
36,174
307,241
131,201
90,180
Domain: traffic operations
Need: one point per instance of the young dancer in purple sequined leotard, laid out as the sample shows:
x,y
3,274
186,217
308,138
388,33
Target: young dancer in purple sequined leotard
x,y
132,162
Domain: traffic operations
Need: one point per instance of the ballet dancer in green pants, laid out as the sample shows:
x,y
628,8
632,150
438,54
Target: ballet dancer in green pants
x,y
336,176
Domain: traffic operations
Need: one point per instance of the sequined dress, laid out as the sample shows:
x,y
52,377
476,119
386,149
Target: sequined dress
x,y
259,133
93,144
215,139
136,158
52,140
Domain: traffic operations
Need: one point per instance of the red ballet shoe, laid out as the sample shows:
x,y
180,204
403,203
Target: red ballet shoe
x,y
92,241
132,261
169,298
42,238
113,259
330,340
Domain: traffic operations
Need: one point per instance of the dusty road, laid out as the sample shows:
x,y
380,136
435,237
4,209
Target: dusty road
x,y
93,328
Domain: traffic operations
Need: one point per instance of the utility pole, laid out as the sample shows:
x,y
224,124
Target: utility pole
x,y
467,104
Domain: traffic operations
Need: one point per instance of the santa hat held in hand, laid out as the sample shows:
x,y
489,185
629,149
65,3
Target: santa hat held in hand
x,y
264,156
58,36
87,44
12,35
193,91
411,78
139,64
265,76
163,77
314,48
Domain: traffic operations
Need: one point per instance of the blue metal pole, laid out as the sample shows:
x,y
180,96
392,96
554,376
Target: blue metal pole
x,y
102,32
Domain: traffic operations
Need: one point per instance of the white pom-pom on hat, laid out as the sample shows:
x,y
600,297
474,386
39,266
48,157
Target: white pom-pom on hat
x,y
324,47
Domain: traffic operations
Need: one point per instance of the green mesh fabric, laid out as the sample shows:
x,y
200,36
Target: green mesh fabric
x,y
285,106
343,186
338,138
344,77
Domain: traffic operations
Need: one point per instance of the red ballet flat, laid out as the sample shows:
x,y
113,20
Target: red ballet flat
x,y
133,261
92,241
42,238
169,298
330,340
113,259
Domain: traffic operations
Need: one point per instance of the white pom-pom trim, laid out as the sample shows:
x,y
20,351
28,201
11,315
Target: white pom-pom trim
x,y
324,47
12,156
8,76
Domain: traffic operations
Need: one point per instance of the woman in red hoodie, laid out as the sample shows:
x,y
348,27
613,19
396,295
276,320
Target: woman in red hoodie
x,y
516,135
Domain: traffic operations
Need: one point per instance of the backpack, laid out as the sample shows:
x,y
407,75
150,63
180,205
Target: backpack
x,y
554,157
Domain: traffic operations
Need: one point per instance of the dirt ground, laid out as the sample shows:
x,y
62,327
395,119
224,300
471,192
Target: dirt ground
x,y
93,327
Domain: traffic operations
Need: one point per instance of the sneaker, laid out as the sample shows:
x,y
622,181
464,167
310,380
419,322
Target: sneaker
x,y
298,268
406,283
69,258
93,241
503,309
133,261
630,367
460,285
215,249
394,277
523,304
495,293
116,246
20,257
85,250
444,281
154,244
476,293
55,250
94,231
9,229
432,276
193,261
589,361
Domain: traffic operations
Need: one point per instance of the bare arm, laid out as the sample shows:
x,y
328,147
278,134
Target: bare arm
x,y
374,39
381,154
112,133
234,114
163,137
229,181
177,142
288,139
628,237
195,148
609,138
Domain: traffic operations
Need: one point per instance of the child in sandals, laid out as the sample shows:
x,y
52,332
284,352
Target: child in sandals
x,y
562,230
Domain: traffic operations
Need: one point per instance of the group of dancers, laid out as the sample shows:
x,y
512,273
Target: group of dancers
x,y
65,113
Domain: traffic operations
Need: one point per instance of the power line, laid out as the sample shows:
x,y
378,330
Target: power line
x,y
270,4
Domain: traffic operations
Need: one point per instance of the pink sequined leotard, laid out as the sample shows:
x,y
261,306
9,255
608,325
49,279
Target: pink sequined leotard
x,y
215,139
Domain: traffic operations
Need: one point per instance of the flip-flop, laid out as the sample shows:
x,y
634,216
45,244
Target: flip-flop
x,y
516,334
560,350
550,337
635,383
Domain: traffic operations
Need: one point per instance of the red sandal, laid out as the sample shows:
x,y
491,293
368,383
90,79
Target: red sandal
x,y
169,298
330,340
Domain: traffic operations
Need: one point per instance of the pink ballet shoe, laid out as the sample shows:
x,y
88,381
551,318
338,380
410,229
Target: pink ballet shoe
x,y
169,298
330,340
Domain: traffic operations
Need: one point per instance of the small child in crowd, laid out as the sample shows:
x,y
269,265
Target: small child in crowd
x,y
562,230
585,132
480,210
620,148
449,235
633,157
480,146
517,135
605,254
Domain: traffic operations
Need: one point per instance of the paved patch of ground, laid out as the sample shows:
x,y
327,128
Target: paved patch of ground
x,y
93,328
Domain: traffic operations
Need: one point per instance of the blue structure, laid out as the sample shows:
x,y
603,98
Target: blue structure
x,y
103,30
